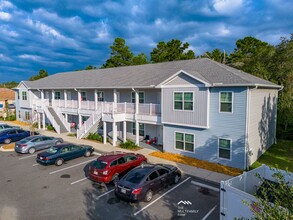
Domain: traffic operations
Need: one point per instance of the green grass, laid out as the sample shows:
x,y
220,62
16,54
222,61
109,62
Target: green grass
x,y
279,155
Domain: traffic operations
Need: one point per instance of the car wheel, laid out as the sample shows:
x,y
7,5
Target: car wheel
x,y
148,196
58,142
177,178
115,179
32,150
7,141
87,153
59,162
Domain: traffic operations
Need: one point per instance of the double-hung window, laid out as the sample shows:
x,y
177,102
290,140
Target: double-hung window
x,y
100,96
225,148
24,96
183,101
83,96
226,101
184,141
57,95
141,129
140,97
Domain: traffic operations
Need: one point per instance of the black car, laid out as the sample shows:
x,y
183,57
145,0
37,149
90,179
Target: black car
x,y
143,182
60,153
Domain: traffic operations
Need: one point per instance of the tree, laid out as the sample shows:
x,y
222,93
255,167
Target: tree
x,y
140,59
42,74
170,51
216,55
9,85
274,198
90,67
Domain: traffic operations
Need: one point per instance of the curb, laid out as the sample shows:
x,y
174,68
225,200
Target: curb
x,y
6,150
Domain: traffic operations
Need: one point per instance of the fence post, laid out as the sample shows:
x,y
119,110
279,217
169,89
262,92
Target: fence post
x,y
150,108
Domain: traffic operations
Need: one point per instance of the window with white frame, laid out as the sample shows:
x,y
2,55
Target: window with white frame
x,y
83,96
140,97
225,148
184,141
24,95
100,96
141,129
226,101
57,95
27,116
183,101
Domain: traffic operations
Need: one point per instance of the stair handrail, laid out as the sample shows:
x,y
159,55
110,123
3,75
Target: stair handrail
x,y
63,120
52,119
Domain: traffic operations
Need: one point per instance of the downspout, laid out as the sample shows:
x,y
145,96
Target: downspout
x,y
275,138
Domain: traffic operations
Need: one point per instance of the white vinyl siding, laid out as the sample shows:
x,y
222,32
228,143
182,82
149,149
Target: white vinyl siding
x,y
184,141
226,101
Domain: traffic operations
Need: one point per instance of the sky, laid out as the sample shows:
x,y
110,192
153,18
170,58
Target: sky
x,y
66,35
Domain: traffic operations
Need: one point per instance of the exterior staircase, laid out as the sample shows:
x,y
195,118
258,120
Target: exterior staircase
x,y
91,125
55,120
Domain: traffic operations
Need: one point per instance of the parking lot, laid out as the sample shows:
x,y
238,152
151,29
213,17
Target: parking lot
x,y
32,191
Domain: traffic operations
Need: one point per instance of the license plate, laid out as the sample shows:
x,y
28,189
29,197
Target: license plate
x,y
123,191
95,172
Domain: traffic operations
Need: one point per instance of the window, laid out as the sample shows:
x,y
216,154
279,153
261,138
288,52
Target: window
x,y
27,116
141,129
184,141
114,163
183,101
163,172
100,96
57,95
1,105
226,102
121,160
83,96
140,97
24,96
153,175
225,148
130,158
12,132
18,95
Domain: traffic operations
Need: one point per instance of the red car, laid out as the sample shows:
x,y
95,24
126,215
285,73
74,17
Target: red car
x,y
110,167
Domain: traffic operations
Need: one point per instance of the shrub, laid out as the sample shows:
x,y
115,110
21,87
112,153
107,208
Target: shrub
x,y
129,145
11,118
50,128
95,137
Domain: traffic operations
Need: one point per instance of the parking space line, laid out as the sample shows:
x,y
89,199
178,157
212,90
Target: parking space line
x,y
105,193
79,181
161,196
36,164
205,186
210,212
96,153
66,168
27,157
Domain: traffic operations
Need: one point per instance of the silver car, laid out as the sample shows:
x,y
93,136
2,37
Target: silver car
x,y
34,143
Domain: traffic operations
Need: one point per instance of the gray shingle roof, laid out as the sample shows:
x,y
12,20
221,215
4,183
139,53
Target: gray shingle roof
x,y
149,75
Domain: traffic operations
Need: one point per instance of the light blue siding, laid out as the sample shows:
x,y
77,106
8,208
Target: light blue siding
x,y
222,125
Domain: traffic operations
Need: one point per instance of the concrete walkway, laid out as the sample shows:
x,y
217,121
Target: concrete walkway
x,y
190,170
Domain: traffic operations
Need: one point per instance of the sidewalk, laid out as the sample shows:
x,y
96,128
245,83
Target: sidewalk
x,y
190,170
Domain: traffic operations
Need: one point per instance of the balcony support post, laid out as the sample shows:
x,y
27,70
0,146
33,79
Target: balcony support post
x,y
53,97
79,98
65,98
136,133
124,131
104,132
114,134
39,120
44,121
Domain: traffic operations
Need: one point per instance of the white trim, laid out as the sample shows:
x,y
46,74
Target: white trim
x,y
208,106
185,125
246,128
183,110
184,133
183,86
219,148
232,108
178,73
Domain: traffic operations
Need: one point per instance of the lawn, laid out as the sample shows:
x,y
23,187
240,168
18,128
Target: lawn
x,y
279,155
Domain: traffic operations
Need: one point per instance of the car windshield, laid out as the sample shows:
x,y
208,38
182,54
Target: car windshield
x,y
135,176
99,164
52,150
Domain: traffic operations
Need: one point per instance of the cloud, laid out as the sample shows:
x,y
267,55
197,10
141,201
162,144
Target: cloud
x,y
227,7
5,16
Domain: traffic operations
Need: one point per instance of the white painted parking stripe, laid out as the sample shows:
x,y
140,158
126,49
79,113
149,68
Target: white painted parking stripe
x,y
96,153
105,193
79,180
205,186
36,164
27,157
66,168
210,212
161,196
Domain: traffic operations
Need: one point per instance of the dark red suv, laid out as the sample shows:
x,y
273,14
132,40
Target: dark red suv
x,y
110,167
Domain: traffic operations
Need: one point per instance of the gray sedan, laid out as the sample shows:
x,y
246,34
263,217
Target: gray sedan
x,y
34,143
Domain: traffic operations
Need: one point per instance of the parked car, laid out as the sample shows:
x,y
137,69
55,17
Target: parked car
x,y
6,126
13,134
35,143
60,153
143,182
112,166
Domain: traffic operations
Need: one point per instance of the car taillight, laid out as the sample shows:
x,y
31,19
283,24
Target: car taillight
x,y
136,191
105,172
45,158
23,145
